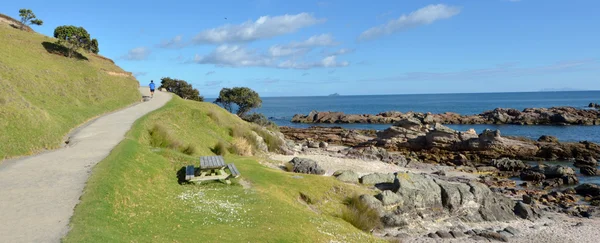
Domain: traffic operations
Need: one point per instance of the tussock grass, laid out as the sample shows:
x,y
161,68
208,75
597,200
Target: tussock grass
x,y
134,194
360,214
240,146
161,137
221,148
45,95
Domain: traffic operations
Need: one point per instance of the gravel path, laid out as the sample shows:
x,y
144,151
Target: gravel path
x,y
38,193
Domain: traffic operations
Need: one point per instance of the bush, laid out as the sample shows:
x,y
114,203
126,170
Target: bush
x,y
73,38
181,88
240,146
359,214
221,149
259,119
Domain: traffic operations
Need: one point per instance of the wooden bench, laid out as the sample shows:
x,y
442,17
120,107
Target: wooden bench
x,y
190,172
235,173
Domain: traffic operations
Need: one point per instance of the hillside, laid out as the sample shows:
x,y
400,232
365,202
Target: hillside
x,y
43,94
134,195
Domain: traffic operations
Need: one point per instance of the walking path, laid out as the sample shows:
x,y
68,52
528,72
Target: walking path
x,y
38,193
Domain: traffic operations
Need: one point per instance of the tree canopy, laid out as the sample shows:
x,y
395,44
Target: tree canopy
x,y
28,18
181,88
245,98
73,38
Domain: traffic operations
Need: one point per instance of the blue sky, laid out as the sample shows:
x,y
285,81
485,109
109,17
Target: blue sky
x,y
301,48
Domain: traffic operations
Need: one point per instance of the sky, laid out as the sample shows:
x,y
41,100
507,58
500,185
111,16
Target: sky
x,y
350,47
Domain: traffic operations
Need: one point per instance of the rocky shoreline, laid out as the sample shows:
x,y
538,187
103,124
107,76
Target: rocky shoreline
x,y
528,116
408,200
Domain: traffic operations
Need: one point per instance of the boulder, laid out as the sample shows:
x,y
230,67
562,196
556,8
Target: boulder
x,y
313,144
548,139
506,164
346,176
589,171
306,166
323,145
554,171
457,234
371,202
461,159
376,178
529,175
588,189
588,161
444,234
388,198
526,211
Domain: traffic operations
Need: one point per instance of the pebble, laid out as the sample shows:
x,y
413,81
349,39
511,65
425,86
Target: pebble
x,y
402,235
433,235
578,224
494,236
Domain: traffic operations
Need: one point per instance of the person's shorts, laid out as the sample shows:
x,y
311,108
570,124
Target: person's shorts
x,y
151,90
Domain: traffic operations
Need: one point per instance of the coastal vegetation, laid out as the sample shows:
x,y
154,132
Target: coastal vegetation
x,y
44,95
28,18
244,98
181,88
74,38
134,194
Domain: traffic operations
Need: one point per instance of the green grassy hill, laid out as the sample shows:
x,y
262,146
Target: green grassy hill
x,y
134,195
43,94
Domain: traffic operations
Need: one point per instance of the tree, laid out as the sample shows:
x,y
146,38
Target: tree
x,y
181,88
28,18
93,46
73,38
245,98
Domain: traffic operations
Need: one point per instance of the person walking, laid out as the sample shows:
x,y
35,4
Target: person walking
x,y
151,88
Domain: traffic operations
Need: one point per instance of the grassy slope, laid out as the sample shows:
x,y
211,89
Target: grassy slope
x,y
44,95
133,195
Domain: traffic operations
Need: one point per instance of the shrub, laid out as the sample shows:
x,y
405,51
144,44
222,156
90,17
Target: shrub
x,y
359,214
221,149
240,146
214,116
181,88
259,119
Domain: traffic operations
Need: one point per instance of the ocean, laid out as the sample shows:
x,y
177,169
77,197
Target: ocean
x,y
282,109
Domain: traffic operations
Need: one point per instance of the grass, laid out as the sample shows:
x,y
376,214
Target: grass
x,y
43,95
134,195
359,214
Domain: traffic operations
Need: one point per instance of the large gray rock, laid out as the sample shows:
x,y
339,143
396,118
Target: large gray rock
x,y
588,161
346,176
376,178
306,166
506,164
589,171
554,171
588,189
388,198
526,211
423,196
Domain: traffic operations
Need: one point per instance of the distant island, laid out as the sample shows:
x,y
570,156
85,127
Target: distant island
x,y
334,94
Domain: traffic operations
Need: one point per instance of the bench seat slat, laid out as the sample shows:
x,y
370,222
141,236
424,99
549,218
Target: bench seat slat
x,y
234,171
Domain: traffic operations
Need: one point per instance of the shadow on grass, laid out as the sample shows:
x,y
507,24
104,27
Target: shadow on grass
x,y
181,176
61,50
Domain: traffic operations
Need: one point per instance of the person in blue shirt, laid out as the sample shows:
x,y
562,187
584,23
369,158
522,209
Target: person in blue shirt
x,y
151,88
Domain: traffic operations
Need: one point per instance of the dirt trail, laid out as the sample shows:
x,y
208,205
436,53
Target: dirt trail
x,y
38,193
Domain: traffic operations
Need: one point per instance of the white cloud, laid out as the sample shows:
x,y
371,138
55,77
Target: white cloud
x,y
300,48
340,52
234,56
176,42
263,28
137,54
239,56
423,16
210,73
